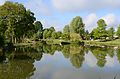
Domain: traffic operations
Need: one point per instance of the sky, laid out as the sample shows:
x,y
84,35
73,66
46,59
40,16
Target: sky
x,y
59,13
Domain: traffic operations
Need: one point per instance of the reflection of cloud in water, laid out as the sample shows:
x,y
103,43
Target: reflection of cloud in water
x,y
90,59
110,61
57,67
49,71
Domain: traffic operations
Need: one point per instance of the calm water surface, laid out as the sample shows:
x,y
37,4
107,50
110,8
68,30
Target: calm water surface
x,y
60,62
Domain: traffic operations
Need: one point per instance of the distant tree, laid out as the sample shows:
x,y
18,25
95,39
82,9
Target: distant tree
x,y
96,33
118,31
74,37
38,30
100,32
59,34
66,36
87,35
52,29
38,26
54,35
77,26
111,33
66,29
45,33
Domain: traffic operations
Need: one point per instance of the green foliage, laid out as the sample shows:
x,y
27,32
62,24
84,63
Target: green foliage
x,y
101,23
74,36
100,54
16,21
66,29
52,29
45,33
59,34
2,43
38,26
111,33
54,35
77,26
87,35
100,32
118,31
66,36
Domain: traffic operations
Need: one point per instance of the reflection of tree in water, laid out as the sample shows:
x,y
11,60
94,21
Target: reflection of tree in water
x,y
17,69
118,54
19,64
75,53
50,49
25,53
76,56
101,53
66,51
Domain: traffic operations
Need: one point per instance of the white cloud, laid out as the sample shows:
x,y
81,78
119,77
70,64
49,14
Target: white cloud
x,y
38,7
111,20
56,24
110,61
80,5
2,2
91,20
90,59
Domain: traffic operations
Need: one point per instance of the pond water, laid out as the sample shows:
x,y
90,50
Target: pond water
x,y
60,62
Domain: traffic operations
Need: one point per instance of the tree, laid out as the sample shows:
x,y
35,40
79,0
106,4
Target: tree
x,y
45,33
2,41
59,34
54,35
87,35
100,32
96,33
16,20
118,31
52,29
38,29
66,36
77,26
111,33
66,29
38,26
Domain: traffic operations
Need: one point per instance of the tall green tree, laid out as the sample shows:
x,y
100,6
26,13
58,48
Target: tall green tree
x,y
45,33
77,26
118,31
66,29
100,32
87,35
59,34
38,26
38,29
52,29
16,20
111,33
54,35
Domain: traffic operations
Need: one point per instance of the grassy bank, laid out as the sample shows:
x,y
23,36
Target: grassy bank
x,y
107,43
59,41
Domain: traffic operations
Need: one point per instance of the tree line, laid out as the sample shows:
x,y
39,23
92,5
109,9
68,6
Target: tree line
x,y
18,24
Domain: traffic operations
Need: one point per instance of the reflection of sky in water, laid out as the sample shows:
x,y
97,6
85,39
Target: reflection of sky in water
x,y
57,67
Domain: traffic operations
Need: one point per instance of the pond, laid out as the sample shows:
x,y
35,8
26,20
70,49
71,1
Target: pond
x,y
60,62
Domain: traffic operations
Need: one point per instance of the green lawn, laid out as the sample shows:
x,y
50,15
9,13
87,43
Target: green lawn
x,y
107,43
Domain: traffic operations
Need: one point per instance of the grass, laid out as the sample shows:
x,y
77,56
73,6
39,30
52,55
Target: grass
x,y
107,43
87,42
